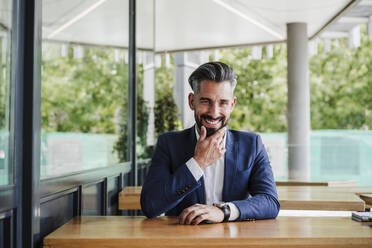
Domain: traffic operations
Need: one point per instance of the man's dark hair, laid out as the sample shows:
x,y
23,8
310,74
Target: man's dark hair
x,y
213,71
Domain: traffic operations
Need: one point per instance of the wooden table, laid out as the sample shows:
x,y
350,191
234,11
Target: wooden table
x,y
321,198
354,190
122,231
290,197
308,183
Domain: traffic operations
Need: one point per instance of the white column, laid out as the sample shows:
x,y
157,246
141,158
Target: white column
x,y
369,26
149,93
327,45
298,102
353,40
256,52
185,64
269,51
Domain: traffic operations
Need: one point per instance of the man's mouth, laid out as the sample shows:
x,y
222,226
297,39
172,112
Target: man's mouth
x,y
212,122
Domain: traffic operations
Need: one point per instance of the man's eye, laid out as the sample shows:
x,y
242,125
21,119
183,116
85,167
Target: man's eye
x,y
204,101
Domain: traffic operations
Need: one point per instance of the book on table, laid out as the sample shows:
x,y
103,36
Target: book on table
x,y
362,216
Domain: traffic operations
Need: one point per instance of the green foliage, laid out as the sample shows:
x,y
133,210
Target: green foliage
x,y
83,95
340,82
143,151
260,92
166,117
341,86
122,144
4,85
90,94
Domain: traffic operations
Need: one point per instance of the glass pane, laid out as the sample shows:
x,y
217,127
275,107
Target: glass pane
x,y
5,81
84,85
145,84
341,110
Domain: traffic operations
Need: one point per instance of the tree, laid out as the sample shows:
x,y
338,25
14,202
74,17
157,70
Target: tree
x,y
341,86
166,111
83,95
261,90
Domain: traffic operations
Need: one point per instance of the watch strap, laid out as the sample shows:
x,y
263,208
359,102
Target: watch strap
x,y
225,209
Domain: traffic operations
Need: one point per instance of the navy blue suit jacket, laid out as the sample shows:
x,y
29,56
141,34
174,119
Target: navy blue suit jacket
x,y
248,181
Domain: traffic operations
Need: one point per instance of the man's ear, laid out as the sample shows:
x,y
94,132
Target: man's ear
x,y
233,103
191,101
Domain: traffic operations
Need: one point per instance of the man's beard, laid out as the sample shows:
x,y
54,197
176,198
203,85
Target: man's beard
x,y
210,131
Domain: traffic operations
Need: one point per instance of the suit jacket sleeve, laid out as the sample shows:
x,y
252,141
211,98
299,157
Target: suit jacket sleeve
x,y
262,201
166,185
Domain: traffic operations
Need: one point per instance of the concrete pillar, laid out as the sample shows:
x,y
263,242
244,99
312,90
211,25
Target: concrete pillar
x,y
369,26
298,106
78,52
185,64
353,40
149,93
327,45
64,50
313,47
167,60
216,55
269,51
256,52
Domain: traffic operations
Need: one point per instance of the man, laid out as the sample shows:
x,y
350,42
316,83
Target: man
x,y
208,173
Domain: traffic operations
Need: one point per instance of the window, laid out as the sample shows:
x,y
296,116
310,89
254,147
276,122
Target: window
x,y
84,85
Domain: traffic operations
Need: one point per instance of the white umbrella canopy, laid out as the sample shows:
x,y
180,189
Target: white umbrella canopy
x,y
179,25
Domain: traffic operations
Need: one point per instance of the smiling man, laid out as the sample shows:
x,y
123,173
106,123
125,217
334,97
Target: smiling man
x,y
208,173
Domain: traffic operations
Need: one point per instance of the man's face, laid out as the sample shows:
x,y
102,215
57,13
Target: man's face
x,y
212,105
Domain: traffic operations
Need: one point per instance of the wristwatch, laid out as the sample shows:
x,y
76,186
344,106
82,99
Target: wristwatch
x,y
225,209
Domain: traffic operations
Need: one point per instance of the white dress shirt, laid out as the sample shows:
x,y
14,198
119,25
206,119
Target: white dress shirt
x,y
213,181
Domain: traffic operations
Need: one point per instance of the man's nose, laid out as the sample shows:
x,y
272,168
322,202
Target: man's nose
x,y
214,110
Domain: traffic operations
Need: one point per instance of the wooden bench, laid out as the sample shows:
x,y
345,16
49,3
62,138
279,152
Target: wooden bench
x,y
290,197
367,198
285,231
129,198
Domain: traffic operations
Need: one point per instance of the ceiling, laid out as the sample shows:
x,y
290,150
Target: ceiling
x,y
174,25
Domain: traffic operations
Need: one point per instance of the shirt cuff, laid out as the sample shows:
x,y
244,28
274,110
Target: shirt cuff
x,y
195,169
234,211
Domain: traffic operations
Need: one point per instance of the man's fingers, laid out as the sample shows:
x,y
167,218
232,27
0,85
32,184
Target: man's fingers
x,y
203,133
192,215
186,212
199,219
218,134
221,143
183,215
222,151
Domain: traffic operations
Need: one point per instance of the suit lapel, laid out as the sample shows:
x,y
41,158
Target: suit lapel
x,y
190,147
200,191
230,165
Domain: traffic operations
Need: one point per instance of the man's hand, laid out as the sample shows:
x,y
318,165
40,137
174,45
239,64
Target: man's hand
x,y
197,213
208,150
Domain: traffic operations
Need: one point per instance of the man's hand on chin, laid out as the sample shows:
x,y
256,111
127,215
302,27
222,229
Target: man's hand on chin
x,y
197,213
